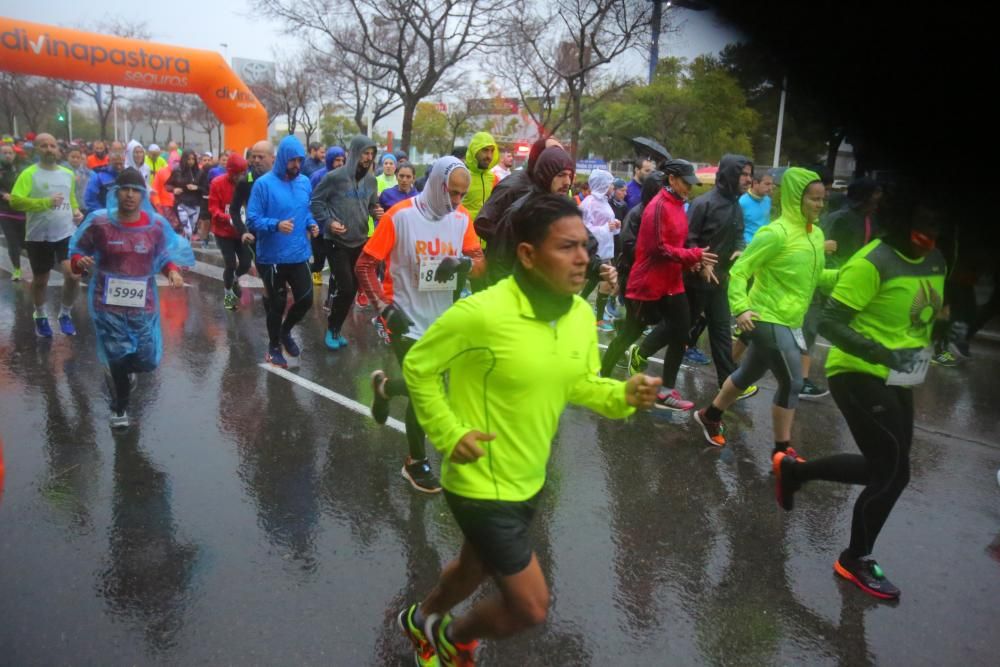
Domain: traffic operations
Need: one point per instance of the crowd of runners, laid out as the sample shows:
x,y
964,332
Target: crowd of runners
x,y
492,286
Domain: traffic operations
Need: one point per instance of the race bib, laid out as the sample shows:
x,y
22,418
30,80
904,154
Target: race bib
x,y
426,282
914,377
125,292
800,339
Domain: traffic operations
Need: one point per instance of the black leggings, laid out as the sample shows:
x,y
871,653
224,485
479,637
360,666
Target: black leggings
x,y
397,387
277,278
345,283
319,253
236,255
881,420
14,230
772,348
673,310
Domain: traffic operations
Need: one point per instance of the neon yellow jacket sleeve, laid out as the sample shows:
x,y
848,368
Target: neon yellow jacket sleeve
x,y
445,340
20,194
765,246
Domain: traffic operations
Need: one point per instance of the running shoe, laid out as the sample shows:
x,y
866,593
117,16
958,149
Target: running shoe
x,y
611,311
16,275
648,330
230,301
317,278
695,357
946,359
752,390
420,476
237,289
42,327
812,392
119,420
361,300
275,358
66,325
450,654
291,347
331,340
423,651
866,574
605,326
672,401
636,362
794,454
380,404
960,350
714,431
784,487
341,340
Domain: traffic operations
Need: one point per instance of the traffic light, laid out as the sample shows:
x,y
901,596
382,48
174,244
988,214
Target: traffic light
x,y
61,117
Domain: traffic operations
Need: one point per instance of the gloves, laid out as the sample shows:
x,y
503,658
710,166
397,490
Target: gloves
x,y
450,266
396,320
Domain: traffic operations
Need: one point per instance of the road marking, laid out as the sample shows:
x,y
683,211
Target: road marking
x,y
331,395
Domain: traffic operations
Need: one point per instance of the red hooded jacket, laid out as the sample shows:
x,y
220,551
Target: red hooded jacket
x,y
660,255
220,194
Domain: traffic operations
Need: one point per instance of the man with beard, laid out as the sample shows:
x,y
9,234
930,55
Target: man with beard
x,y
342,204
278,215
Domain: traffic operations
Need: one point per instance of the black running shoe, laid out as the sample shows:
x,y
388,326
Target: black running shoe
x,y
380,404
811,392
866,574
420,476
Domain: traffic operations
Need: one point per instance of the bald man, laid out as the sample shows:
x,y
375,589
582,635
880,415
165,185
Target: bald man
x,y
261,160
45,192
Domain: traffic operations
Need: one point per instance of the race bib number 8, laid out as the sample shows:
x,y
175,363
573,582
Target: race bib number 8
x,y
428,267
125,292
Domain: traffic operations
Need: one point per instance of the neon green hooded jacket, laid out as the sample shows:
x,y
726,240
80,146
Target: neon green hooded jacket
x,y
481,186
785,260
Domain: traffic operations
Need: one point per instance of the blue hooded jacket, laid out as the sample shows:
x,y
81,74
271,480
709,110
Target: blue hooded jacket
x,y
96,195
332,153
273,199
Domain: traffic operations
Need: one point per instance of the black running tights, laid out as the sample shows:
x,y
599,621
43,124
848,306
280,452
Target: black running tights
x,y
397,387
277,279
881,420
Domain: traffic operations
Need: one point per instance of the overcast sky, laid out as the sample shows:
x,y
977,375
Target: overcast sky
x,y
207,24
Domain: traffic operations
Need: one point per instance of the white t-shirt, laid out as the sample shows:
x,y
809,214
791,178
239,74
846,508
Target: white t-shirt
x,y
54,224
412,245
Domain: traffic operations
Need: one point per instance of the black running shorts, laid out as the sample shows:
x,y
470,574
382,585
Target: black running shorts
x,y
497,530
44,255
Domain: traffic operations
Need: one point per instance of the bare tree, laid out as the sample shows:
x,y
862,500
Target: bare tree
x,y
565,46
33,99
410,48
206,120
104,97
152,108
181,109
350,80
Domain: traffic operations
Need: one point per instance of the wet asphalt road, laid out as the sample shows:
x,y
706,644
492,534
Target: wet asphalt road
x,y
245,519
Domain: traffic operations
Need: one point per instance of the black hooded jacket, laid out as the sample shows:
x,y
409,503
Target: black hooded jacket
x,y
715,219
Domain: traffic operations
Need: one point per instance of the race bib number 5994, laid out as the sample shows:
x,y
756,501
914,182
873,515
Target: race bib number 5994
x,y
125,292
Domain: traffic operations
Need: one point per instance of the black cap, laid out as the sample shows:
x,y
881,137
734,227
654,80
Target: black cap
x,y
682,169
131,178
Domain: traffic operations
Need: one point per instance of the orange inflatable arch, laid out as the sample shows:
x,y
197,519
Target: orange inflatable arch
x,y
61,53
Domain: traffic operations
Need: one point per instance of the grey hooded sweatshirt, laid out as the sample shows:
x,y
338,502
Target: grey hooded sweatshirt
x,y
343,197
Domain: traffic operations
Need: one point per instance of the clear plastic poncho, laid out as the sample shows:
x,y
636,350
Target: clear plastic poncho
x,y
122,294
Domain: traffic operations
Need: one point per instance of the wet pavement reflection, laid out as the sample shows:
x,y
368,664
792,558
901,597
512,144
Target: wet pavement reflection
x,y
245,519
